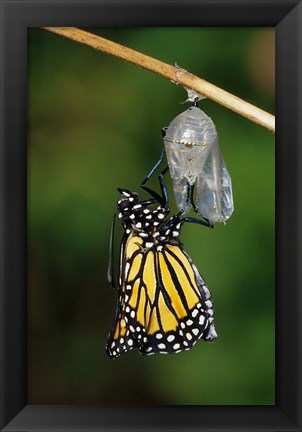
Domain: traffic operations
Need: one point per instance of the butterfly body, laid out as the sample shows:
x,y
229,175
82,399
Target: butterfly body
x,y
163,303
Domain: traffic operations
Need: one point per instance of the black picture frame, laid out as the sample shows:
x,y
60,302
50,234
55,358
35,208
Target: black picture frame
x,y
16,17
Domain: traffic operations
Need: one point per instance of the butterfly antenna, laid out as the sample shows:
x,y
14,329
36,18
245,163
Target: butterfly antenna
x,y
110,272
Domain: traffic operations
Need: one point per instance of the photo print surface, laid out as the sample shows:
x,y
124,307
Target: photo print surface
x,y
95,125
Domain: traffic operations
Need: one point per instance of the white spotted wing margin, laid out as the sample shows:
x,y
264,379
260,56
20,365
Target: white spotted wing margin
x,y
120,339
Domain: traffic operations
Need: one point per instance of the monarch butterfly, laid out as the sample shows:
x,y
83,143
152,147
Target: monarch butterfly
x,y
163,303
194,158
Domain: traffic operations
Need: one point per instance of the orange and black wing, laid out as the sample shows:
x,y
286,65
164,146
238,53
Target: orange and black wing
x,y
164,305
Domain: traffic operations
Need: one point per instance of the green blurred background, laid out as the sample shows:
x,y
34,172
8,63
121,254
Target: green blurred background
x,y
94,124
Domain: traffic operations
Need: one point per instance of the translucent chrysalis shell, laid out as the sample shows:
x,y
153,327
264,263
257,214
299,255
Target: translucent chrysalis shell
x,y
194,158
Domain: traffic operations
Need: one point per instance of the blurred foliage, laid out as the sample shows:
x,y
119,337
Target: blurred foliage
x,y
94,124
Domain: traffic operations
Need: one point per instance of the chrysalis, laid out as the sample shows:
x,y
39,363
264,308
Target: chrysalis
x,y
194,159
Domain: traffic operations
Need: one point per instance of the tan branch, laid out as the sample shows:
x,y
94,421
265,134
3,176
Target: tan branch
x,y
173,73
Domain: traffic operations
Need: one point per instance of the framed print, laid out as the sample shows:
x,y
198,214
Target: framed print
x,y
76,125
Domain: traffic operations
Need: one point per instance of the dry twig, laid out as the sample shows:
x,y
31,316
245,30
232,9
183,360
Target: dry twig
x,y
173,73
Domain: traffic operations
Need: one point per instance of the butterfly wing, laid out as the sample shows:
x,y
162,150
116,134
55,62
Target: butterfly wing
x,y
182,312
120,339
164,305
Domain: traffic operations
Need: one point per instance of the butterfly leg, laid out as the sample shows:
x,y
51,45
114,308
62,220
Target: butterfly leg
x,y
197,221
163,187
192,198
163,200
195,207
176,218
